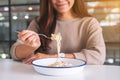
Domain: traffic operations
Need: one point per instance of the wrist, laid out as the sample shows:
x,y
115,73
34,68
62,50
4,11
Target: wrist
x,y
52,55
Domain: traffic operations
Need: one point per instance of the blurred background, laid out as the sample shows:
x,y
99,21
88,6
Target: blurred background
x,y
17,14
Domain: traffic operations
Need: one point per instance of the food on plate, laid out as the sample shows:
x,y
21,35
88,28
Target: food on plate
x,y
60,64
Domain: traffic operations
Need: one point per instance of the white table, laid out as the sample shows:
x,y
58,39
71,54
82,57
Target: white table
x,y
13,70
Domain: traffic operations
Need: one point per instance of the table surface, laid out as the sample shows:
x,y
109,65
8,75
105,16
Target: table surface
x,y
13,70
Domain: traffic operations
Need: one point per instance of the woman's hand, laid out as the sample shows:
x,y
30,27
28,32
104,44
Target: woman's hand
x,y
34,57
30,38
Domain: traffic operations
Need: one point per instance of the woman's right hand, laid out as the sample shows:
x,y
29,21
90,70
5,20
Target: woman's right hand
x,y
30,38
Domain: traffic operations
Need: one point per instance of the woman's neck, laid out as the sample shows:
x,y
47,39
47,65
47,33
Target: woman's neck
x,y
68,15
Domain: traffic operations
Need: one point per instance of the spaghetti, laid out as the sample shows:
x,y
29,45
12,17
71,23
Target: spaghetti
x,y
59,63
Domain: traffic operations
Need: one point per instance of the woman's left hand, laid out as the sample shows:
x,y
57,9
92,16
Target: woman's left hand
x,y
34,57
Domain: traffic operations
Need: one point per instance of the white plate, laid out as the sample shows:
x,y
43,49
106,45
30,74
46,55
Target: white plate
x,y
41,66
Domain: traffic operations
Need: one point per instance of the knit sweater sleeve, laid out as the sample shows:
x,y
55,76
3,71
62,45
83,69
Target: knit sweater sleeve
x,y
34,27
95,50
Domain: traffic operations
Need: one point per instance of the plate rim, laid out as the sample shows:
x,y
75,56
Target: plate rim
x,y
84,63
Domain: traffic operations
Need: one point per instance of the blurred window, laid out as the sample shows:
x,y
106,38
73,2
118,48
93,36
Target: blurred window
x,y
22,12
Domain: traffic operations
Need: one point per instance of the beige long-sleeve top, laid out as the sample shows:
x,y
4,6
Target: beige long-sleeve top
x,y
80,36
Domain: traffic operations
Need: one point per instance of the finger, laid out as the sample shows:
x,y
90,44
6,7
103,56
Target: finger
x,y
25,36
26,33
33,43
22,33
29,60
30,39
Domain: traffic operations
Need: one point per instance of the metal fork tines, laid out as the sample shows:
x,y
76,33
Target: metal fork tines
x,y
44,36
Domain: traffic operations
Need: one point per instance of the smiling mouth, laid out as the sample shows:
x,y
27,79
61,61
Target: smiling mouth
x,y
61,5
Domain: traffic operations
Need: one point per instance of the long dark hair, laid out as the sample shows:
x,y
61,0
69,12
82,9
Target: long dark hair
x,y
47,19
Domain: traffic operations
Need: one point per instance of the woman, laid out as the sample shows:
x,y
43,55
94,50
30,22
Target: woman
x,y
81,34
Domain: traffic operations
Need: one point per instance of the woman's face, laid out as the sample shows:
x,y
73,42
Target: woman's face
x,y
62,6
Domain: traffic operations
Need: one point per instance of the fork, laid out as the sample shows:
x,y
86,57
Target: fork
x,y
44,36
38,34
